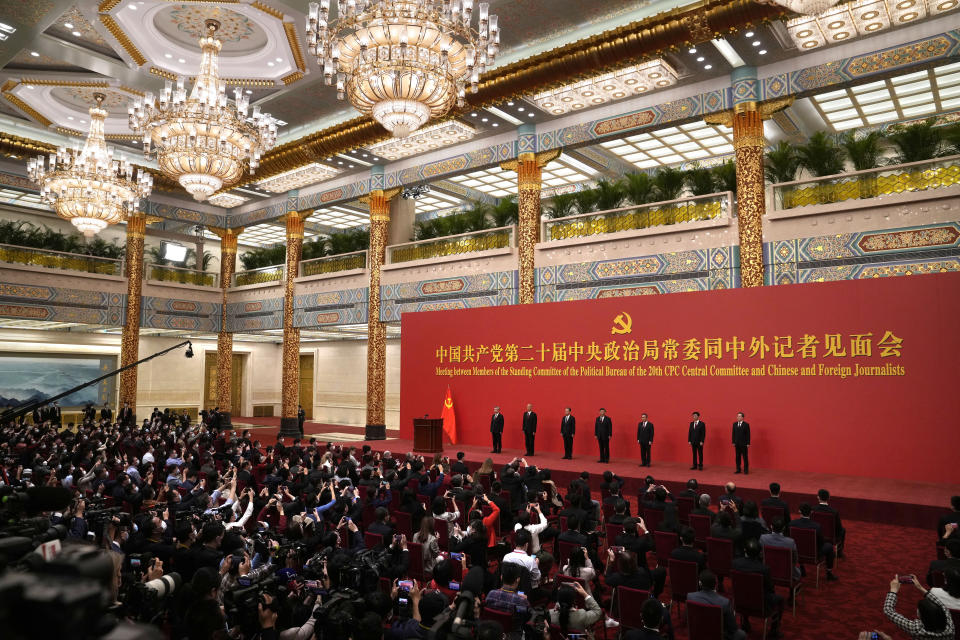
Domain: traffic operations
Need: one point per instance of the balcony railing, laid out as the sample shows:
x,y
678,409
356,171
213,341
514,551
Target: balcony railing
x,y
333,264
182,275
484,240
263,275
870,183
643,216
60,260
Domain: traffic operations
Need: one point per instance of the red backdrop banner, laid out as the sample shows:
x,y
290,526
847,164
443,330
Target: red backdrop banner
x,y
852,378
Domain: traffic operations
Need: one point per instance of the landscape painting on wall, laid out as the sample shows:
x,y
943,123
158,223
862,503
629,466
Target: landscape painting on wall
x,y
30,377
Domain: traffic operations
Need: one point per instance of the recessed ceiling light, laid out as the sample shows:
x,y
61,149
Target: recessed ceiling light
x,y
708,67
35,54
756,43
519,108
762,52
749,34
270,64
473,115
531,114
68,25
484,119
496,124
279,59
69,117
168,55
30,86
83,122
339,161
132,6
693,49
329,159
701,59
181,60
77,34
248,91
364,155
351,166
510,104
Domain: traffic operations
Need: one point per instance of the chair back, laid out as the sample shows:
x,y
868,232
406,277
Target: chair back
x,y
652,518
768,514
413,483
684,579
370,540
613,530
415,550
505,618
955,614
828,525
563,523
720,555
665,541
705,621
685,505
404,523
462,510
628,606
780,561
749,598
443,535
367,515
607,509
701,528
806,539
485,482
426,501
564,549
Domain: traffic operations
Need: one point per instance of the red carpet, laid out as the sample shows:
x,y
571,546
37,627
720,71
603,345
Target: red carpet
x,y
876,551
896,502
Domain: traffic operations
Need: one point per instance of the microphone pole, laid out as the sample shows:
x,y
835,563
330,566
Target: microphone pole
x,y
24,409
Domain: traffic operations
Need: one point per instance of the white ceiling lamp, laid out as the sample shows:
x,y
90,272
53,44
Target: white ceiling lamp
x,y
803,7
403,62
87,186
609,87
202,139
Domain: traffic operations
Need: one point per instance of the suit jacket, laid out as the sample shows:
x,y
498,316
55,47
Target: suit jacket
x,y
808,523
645,433
529,422
697,434
126,414
106,414
603,427
690,554
953,516
741,434
836,515
496,423
713,598
780,504
749,565
568,425
642,634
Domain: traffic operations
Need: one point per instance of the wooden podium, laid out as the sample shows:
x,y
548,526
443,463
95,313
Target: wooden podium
x,y
428,435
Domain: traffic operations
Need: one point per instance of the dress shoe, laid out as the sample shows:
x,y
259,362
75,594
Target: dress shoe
x,y
693,468
831,577
736,472
746,473
701,467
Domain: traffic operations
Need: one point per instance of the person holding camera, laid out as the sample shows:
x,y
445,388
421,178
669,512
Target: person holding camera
x,y
933,621
424,608
571,618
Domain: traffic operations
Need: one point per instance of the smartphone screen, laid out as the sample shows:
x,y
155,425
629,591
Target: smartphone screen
x,y
405,584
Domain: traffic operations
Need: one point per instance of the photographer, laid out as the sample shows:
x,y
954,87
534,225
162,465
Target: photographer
x,y
933,621
425,607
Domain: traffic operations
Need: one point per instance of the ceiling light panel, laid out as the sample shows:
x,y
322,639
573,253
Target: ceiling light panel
x,y
862,17
340,217
299,177
263,235
688,142
423,140
227,200
500,184
610,87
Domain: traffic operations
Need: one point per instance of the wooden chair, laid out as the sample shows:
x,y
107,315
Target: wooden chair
x,y
768,514
808,552
780,561
652,518
701,527
415,551
828,527
404,523
684,579
720,558
613,530
564,549
627,606
749,598
704,621
665,542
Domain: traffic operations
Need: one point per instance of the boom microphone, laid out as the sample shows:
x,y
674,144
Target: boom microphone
x,y
470,589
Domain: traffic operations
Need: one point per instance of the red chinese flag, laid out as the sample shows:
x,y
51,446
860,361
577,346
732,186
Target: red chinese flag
x,y
449,418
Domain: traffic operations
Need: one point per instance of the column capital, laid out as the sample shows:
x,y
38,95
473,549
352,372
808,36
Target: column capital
x,y
766,110
229,238
137,224
542,159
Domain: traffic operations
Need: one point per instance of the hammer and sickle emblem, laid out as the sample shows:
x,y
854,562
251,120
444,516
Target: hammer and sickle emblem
x,y
448,403
622,324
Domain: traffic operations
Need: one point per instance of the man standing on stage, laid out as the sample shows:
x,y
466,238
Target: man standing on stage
x,y
603,430
568,427
741,442
645,438
529,428
496,429
301,417
696,435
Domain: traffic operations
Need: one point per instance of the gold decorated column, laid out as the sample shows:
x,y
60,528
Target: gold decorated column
x,y
228,265
290,382
376,428
130,337
529,168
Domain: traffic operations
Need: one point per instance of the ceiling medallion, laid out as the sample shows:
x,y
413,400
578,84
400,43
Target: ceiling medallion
x,y
202,139
87,186
402,62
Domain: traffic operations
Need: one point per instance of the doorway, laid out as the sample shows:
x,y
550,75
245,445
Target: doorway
x,y
306,384
210,382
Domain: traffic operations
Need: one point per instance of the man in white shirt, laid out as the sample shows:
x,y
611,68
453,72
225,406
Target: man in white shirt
x,y
148,456
534,529
521,556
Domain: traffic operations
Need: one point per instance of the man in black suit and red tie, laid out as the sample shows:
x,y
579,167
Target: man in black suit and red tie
x,y
645,439
741,442
529,428
568,427
696,436
126,415
603,430
496,430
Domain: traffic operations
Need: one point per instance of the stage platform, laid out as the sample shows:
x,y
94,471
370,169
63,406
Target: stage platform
x,y
889,501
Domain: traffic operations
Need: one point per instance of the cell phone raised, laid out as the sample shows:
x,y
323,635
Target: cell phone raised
x,y
906,578
405,585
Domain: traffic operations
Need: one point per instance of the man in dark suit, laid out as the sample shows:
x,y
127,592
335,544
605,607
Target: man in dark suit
x,y
301,417
603,430
708,595
55,413
529,428
126,415
751,563
696,435
568,427
645,439
948,518
459,466
496,430
741,442
951,560
840,534
106,413
775,501
652,614
37,415
826,549
687,552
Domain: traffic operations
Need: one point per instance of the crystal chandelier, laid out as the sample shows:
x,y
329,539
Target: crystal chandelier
x,y
202,139
87,186
804,7
402,61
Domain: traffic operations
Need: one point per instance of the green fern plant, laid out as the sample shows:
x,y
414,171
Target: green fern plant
x,y
700,180
918,141
822,155
864,151
610,195
668,183
561,205
638,188
782,164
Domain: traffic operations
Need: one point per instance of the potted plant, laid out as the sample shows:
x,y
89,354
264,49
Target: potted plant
x,y
822,156
915,143
865,152
782,164
668,185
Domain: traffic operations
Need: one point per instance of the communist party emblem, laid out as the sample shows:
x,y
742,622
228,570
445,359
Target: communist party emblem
x,y
622,324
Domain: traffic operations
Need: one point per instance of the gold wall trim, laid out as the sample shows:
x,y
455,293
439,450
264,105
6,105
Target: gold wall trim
x,y
293,77
276,13
8,85
122,38
27,109
68,132
294,43
135,92
64,83
246,82
163,73
107,5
